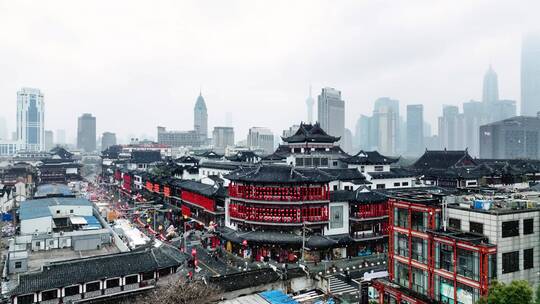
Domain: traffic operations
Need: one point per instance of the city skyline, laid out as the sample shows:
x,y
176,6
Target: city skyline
x,y
447,62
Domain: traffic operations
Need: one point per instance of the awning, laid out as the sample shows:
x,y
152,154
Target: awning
x,y
77,220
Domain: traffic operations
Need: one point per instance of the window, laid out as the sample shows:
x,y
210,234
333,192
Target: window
x,y
26,299
468,263
324,162
71,211
378,168
404,184
419,249
71,290
476,227
401,245
510,262
308,162
147,276
401,217
112,283
49,295
94,286
299,161
528,226
528,258
381,186
334,163
510,228
316,162
362,169
454,223
396,184
445,258
418,221
57,211
336,217
18,265
335,187
402,274
419,281
133,279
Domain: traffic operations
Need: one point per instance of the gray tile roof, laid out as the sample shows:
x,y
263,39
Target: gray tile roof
x,y
65,273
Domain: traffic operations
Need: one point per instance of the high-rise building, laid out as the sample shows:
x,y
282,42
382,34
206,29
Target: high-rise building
x,y
107,139
61,137
347,141
222,138
415,130
3,129
517,137
490,91
386,125
290,131
86,133
530,75
331,112
49,140
178,138
30,119
200,119
361,133
261,138
451,129
309,103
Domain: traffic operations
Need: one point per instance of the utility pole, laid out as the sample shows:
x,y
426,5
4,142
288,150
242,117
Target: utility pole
x,y
303,241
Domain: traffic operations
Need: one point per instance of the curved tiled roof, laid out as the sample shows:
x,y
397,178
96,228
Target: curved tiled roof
x,y
310,133
369,158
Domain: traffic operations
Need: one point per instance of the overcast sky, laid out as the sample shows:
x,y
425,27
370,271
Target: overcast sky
x,y
139,64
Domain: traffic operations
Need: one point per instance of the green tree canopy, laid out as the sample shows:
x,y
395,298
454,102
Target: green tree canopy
x,y
517,292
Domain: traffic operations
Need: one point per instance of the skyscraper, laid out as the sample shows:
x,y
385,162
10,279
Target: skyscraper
x,y
386,125
86,133
200,118
415,129
490,92
222,138
30,119
331,112
261,138
310,102
49,140
61,137
452,129
107,139
530,75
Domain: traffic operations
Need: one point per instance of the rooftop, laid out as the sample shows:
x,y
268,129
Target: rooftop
x,y
369,158
52,190
37,208
310,133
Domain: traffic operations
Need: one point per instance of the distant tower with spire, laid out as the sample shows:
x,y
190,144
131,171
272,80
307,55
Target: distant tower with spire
x,y
491,88
310,102
200,118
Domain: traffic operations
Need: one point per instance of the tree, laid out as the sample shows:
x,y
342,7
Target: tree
x,y
182,292
537,300
517,292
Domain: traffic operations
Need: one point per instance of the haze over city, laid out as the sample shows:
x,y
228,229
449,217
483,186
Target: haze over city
x,y
124,61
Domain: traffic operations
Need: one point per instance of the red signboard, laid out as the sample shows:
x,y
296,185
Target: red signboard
x,y
149,186
199,200
166,191
186,211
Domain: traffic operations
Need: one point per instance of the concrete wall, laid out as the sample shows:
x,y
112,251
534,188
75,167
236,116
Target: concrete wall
x,y
493,230
41,225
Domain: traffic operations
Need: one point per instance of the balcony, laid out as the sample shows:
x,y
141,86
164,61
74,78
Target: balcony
x,y
279,194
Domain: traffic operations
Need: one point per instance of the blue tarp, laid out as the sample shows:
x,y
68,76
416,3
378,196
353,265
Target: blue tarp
x,y
277,297
6,217
92,223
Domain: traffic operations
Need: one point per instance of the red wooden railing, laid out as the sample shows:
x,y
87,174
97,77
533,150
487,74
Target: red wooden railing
x,y
285,194
279,214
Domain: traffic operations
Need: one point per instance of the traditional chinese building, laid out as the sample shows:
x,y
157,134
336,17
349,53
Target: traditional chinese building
x,y
275,210
311,147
